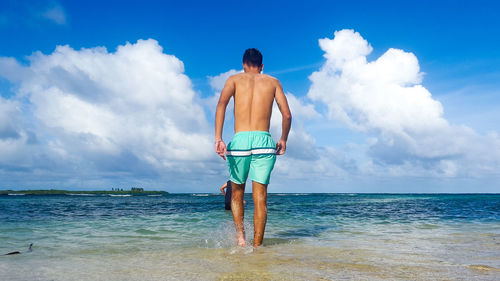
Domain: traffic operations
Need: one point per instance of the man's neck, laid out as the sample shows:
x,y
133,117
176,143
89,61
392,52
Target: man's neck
x,y
253,70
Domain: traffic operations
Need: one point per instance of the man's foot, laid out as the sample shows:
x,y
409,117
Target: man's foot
x,y
241,240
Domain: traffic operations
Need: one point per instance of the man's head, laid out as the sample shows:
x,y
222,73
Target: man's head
x,y
252,58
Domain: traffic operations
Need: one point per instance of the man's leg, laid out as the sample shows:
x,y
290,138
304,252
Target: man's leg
x,y
260,212
238,211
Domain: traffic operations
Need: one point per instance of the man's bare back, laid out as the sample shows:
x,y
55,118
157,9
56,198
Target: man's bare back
x,y
252,150
253,101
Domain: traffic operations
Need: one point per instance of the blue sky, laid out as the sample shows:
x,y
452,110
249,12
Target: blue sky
x,y
455,148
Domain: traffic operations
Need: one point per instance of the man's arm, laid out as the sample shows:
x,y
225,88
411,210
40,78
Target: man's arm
x,y
286,121
220,115
222,189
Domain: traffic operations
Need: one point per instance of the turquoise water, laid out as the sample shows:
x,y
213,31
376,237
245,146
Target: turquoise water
x,y
308,237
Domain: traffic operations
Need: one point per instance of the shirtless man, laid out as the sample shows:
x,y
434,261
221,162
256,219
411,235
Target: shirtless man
x,y
252,150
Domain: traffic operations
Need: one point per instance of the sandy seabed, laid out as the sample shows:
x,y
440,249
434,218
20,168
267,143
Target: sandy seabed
x,y
283,260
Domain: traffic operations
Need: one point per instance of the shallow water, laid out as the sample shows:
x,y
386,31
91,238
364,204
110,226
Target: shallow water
x,y
308,237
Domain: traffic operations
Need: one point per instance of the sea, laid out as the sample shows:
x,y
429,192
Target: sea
x,y
308,237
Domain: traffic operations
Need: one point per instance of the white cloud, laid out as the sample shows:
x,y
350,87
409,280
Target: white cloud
x,y
305,159
384,98
12,70
9,114
300,144
113,110
16,142
217,82
89,116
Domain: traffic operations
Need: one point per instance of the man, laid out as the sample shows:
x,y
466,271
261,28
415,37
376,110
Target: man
x,y
252,150
227,194
227,191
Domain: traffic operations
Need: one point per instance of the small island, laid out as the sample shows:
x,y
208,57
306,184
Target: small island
x,y
113,191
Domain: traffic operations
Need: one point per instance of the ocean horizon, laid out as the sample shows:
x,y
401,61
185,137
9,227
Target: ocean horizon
x,y
309,236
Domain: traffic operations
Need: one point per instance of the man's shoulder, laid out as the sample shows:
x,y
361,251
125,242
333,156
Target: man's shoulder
x,y
237,75
266,76
273,80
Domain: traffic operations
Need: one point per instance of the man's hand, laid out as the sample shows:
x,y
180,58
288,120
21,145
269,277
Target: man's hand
x,y
220,148
281,147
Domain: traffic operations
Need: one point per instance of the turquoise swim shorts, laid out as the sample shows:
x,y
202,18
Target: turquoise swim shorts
x,y
251,152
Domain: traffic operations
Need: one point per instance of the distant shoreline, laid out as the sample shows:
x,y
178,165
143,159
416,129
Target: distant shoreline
x,y
80,192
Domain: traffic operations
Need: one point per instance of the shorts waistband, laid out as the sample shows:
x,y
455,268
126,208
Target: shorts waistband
x,y
266,133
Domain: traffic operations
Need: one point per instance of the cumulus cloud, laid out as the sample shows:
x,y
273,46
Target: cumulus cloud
x,y
12,70
16,142
217,82
8,119
300,145
85,116
306,160
384,98
111,111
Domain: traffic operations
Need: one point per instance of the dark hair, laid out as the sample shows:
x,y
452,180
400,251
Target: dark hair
x,y
252,57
